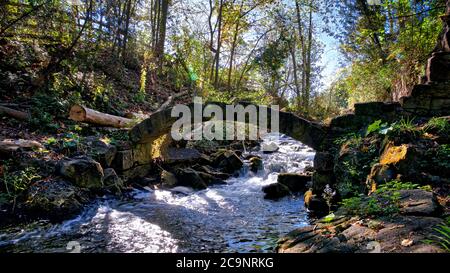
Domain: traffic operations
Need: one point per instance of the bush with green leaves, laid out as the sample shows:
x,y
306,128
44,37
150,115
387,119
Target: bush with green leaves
x,y
442,238
384,201
15,182
439,125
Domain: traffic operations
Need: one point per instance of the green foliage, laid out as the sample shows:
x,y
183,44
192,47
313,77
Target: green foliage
x,y
405,127
374,127
384,201
441,160
16,181
396,185
45,109
440,125
443,235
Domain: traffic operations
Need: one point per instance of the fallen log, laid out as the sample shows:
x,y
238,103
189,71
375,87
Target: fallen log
x,y
8,146
14,113
84,114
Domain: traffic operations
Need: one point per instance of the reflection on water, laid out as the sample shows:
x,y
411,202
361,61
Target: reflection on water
x,y
223,218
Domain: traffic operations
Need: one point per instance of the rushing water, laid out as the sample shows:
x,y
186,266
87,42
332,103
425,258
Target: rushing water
x,y
224,218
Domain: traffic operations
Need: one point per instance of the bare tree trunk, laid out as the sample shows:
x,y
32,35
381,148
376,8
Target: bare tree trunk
x,y
219,42
162,33
234,43
294,67
308,63
127,25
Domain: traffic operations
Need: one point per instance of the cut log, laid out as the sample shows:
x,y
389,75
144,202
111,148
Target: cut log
x,y
8,146
14,113
84,114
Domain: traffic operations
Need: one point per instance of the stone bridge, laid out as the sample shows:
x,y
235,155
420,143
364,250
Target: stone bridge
x,y
310,133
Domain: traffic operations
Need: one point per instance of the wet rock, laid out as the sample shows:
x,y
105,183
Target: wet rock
x,y
101,151
317,205
168,179
309,169
256,164
209,170
293,181
419,203
83,171
227,161
275,191
190,178
54,199
269,147
112,181
210,179
136,172
182,190
184,156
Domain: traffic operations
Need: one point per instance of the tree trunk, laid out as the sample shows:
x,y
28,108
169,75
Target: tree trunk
x,y
127,25
14,113
84,114
162,33
219,42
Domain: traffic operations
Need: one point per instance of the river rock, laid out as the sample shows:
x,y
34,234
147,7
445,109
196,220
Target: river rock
x,y
207,169
54,199
228,161
316,204
190,178
269,147
184,156
83,171
256,164
294,181
210,179
112,181
168,179
275,191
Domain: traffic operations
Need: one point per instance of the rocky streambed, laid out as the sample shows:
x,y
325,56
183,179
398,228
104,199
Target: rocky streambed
x,y
225,217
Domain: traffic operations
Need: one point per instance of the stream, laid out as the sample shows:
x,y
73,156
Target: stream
x,y
223,218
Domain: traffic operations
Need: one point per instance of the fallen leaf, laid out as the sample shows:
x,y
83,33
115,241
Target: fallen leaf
x,y
407,242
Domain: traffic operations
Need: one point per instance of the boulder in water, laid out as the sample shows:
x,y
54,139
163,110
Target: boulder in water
x,y
168,179
269,147
112,181
190,178
294,181
228,161
275,191
182,190
256,164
